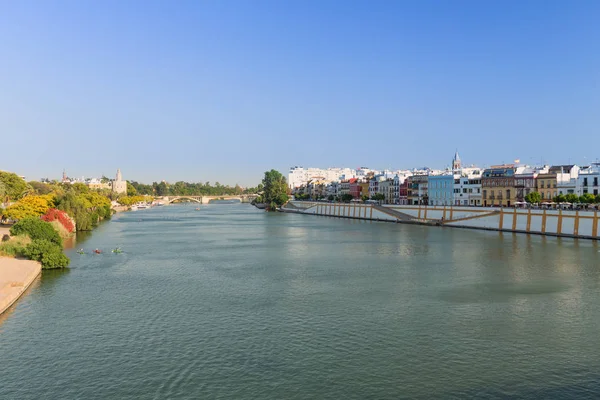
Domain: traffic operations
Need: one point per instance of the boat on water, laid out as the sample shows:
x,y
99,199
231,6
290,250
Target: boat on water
x,y
98,251
117,250
80,251
142,206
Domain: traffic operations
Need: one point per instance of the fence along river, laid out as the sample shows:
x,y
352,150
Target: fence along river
x,y
576,224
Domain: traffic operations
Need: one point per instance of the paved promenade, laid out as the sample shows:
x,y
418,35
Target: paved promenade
x,y
15,278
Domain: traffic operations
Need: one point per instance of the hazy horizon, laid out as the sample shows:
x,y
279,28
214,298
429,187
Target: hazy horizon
x,y
223,91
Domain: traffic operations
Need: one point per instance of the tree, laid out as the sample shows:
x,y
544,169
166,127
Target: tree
x,y
275,188
561,198
29,206
597,200
35,228
13,186
572,198
47,253
40,187
378,197
364,197
346,198
330,197
533,198
131,190
587,198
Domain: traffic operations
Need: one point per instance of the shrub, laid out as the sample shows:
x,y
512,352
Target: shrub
x,y
36,229
57,215
11,249
46,252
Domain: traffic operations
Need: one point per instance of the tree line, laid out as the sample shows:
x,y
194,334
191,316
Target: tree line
x,y
182,188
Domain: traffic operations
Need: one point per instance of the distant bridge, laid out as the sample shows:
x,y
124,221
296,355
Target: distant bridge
x,y
244,198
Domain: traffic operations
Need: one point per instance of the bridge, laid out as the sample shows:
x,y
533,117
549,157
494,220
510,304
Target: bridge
x,y
244,198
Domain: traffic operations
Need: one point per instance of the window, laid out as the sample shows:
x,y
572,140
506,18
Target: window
x,y
595,192
541,184
595,181
464,190
508,194
585,182
485,194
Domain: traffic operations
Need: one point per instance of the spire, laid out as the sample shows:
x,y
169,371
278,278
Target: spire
x,y
456,164
119,177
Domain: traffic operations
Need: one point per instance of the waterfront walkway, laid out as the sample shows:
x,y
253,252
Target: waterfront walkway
x,y
15,277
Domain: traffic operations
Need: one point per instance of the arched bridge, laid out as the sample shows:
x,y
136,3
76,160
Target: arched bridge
x,y
244,198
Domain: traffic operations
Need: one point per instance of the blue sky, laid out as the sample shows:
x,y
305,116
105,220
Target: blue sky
x,y
222,91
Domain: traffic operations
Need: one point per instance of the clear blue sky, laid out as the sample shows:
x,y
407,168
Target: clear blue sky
x,y
224,90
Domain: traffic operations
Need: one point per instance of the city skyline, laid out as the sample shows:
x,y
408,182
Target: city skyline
x,y
226,91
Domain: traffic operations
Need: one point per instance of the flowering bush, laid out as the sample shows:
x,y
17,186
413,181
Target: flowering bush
x,y
57,215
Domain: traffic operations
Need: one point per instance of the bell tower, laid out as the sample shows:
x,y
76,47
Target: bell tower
x,y
456,164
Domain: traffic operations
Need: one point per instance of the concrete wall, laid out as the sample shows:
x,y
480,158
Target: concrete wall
x,y
582,224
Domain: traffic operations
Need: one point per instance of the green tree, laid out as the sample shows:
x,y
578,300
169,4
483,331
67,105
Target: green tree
x,y
364,197
533,198
41,188
13,186
131,190
346,198
587,198
35,228
275,188
572,198
378,197
561,198
597,200
47,253
330,197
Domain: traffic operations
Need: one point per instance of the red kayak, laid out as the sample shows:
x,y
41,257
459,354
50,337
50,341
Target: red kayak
x,y
97,251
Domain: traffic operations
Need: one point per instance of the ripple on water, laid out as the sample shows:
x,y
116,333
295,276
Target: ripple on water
x,y
234,303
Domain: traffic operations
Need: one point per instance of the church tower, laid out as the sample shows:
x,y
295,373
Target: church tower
x,y
456,164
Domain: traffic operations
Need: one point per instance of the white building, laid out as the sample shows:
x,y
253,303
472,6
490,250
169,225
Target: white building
x,y
588,180
467,187
386,187
299,176
567,178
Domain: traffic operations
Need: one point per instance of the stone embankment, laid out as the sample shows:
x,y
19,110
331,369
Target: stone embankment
x,y
564,223
15,277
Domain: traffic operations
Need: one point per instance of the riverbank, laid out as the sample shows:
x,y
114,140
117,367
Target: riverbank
x,y
574,224
15,277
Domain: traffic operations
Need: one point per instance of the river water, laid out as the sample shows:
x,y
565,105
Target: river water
x,y
229,302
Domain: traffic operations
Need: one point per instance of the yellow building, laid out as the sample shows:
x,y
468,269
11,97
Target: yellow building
x,y
498,186
546,185
364,188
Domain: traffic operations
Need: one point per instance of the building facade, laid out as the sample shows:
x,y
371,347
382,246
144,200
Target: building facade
x,y
467,188
498,186
588,180
440,189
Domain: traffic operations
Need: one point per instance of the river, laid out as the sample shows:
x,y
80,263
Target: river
x,y
229,302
